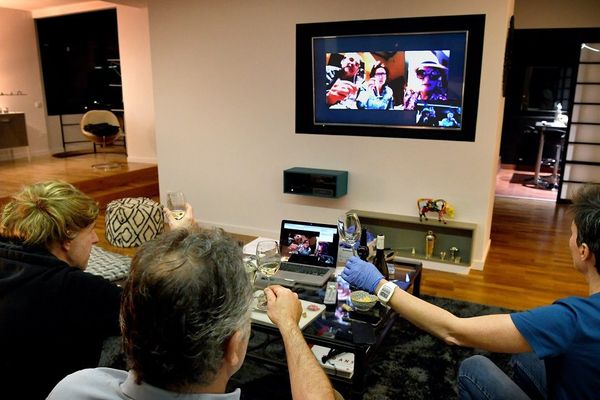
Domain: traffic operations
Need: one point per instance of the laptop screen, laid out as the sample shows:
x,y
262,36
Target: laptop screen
x,y
309,243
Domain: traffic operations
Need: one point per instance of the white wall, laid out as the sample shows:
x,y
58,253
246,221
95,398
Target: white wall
x,y
136,74
224,96
19,70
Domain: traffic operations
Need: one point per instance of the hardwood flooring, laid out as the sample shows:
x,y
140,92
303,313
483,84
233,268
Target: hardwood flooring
x,y
528,264
509,183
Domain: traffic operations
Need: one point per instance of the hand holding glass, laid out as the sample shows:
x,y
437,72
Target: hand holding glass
x,y
268,260
349,229
176,203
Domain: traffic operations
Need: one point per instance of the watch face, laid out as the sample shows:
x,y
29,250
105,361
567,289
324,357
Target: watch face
x,y
386,291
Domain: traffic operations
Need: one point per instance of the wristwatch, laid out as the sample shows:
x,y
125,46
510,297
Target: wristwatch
x,y
386,291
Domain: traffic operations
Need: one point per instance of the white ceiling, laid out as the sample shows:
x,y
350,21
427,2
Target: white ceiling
x,y
32,5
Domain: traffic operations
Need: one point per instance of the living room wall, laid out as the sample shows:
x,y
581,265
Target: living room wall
x,y
19,71
224,78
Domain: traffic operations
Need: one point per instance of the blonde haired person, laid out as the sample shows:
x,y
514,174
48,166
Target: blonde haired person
x,y
53,316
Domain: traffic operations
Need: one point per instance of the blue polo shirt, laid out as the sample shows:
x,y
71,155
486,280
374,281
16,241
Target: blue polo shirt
x,y
566,335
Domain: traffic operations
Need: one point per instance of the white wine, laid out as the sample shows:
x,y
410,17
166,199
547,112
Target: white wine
x,y
269,268
178,214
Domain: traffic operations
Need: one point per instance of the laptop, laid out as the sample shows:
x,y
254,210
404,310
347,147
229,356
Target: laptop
x,y
309,251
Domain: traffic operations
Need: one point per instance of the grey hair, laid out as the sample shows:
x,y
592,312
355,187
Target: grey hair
x,y
186,295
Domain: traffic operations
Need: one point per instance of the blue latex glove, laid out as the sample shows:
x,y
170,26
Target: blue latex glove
x,y
361,274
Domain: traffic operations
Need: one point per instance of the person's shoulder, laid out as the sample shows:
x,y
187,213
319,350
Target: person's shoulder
x,y
80,275
590,303
89,288
91,383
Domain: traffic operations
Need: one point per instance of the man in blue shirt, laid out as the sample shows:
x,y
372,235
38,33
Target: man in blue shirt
x,y
557,346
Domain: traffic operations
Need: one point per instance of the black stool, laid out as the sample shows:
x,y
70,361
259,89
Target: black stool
x,y
555,137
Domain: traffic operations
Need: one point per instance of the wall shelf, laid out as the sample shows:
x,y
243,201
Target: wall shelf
x,y
315,182
402,233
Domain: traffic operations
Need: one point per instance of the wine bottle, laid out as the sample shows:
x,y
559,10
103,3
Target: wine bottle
x,y
363,249
380,262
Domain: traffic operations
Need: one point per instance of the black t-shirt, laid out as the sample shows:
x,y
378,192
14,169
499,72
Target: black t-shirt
x,y
53,320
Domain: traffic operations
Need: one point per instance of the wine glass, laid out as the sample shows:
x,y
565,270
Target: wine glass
x,y
268,260
349,229
176,203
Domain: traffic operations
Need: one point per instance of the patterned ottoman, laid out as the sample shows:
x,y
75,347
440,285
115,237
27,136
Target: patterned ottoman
x,y
133,221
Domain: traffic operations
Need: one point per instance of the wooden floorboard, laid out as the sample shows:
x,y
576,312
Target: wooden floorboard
x,y
528,264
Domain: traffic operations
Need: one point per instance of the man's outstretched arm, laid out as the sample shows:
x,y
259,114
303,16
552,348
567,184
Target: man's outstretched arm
x,y
307,378
495,333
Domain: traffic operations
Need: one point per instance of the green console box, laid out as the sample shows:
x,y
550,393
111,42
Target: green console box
x,y
315,182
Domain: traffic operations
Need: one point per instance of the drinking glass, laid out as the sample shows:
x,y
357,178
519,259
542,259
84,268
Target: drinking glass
x,y
176,203
349,229
268,260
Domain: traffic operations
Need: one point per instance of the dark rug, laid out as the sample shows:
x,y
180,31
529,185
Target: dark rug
x,y
521,178
73,153
410,364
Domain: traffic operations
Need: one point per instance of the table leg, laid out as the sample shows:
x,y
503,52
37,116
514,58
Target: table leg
x,y
538,165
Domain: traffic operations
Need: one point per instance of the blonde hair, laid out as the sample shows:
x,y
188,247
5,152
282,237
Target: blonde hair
x,y
47,212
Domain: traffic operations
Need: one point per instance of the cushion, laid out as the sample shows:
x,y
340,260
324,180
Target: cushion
x,y
102,129
133,221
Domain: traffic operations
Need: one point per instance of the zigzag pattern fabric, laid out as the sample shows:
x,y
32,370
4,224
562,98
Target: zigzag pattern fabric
x,y
133,221
109,265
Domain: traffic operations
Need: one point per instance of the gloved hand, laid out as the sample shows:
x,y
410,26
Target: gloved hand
x,y
361,274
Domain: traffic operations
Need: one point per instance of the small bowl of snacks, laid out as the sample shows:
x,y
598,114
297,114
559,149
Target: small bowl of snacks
x,y
362,300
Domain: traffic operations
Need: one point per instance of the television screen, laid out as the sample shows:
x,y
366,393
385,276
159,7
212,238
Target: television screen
x,y
390,77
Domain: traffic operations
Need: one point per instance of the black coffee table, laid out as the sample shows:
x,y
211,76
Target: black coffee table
x,y
340,329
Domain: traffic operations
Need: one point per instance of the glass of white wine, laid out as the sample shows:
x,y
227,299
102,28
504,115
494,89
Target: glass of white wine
x,y
176,203
349,229
268,260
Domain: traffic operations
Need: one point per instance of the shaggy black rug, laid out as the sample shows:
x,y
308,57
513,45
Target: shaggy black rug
x,y
410,364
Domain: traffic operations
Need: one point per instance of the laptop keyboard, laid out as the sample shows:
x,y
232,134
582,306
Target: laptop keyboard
x,y
303,269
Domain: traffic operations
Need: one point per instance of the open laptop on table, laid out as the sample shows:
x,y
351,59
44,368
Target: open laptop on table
x,y
310,249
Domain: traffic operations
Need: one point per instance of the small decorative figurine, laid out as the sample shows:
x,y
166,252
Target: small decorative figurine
x,y
453,253
440,206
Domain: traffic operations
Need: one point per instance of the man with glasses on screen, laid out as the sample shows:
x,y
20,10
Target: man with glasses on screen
x,y
432,83
342,83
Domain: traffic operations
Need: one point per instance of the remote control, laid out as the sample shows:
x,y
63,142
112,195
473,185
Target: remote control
x,y
330,293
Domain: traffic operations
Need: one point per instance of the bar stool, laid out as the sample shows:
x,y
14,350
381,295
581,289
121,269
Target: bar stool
x,y
548,131
555,137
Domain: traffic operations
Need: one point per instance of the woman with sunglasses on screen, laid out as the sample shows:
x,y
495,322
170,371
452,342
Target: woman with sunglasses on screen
x,y
432,84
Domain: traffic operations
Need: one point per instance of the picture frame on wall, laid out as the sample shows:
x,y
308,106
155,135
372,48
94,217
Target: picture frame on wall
x,y
406,77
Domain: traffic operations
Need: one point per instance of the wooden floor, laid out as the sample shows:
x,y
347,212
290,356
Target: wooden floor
x,y
510,183
528,263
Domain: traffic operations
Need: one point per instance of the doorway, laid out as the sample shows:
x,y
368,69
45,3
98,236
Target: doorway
x,y
540,86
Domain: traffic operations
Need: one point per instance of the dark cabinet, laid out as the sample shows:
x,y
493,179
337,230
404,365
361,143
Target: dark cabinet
x,y
13,132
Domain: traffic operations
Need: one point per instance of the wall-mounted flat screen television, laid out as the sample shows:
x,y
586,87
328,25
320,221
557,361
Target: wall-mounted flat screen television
x,y
410,77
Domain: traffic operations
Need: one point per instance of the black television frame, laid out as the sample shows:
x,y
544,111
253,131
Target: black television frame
x,y
306,85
